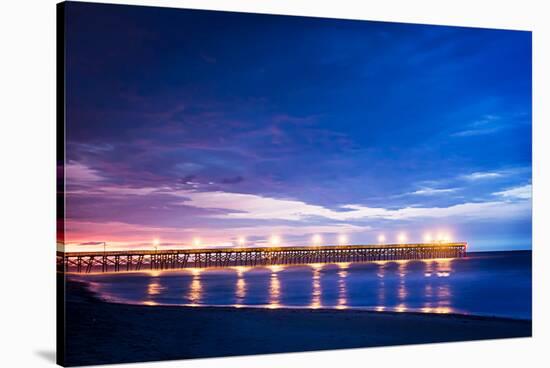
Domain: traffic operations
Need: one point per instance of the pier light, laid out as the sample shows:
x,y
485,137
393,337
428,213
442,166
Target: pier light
x,y
381,238
428,238
156,243
443,237
402,238
241,241
197,242
317,239
275,240
342,239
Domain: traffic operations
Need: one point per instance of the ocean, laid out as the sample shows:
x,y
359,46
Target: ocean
x,y
485,284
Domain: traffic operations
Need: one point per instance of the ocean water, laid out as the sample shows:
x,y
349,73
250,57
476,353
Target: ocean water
x,y
488,284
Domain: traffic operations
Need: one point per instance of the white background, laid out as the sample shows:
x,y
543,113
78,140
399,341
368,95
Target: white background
x,y
27,180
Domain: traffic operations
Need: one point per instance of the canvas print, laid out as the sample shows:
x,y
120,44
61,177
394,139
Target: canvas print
x,y
236,184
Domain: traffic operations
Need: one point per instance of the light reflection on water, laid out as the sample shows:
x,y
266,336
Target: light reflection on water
x,y
241,290
402,290
316,286
154,288
195,290
470,285
240,286
342,288
274,288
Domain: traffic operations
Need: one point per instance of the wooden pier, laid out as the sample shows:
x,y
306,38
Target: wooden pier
x,y
139,260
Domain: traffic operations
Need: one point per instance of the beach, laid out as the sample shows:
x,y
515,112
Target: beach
x,y
100,332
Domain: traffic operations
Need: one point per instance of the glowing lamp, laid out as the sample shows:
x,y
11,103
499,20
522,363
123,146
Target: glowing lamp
x,y
316,239
342,239
275,240
402,238
156,243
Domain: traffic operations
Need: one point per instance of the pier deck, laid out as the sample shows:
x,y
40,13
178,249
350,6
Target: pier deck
x,y
139,260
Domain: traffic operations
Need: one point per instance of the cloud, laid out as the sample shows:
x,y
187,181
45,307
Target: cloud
x,y
476,132
244,206
463,211
114,191
92,243
180,212
285,118
432,191
521,192
256,207
490,124
79,173
233,180
500,173
121,235
484,126
482,175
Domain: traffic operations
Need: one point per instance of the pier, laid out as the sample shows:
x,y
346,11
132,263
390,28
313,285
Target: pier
x,y
141,260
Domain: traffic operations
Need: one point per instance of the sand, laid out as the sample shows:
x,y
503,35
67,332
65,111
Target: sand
x,y
99,332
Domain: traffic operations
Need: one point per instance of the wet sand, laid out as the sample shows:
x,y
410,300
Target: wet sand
x,y
99,332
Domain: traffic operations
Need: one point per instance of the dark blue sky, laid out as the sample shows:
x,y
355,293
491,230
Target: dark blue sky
x,y
184,124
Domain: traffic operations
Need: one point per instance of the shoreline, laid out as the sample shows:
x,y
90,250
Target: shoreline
x,y
102,332
97,298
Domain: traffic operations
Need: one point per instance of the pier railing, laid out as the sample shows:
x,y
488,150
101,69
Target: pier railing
x,y
136,260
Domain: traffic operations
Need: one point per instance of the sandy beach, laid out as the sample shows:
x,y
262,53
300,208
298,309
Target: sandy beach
x,y
99,332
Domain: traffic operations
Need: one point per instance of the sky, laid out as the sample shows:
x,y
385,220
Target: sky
x,y
184,125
